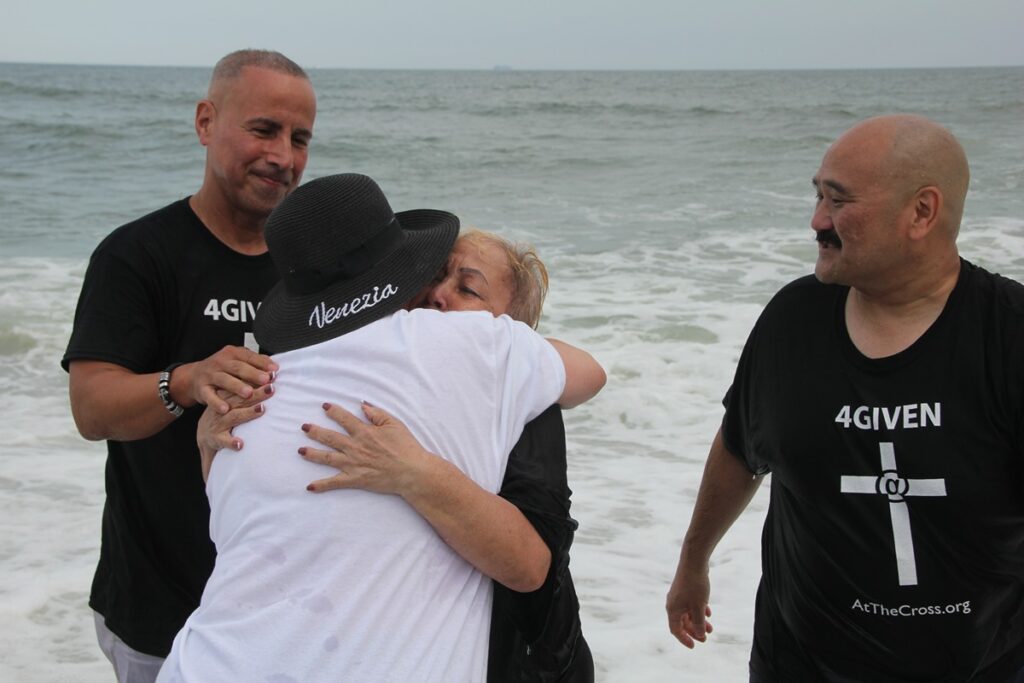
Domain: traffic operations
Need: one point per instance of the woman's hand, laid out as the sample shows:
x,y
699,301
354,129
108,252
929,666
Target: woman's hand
x,y
382,456
214,432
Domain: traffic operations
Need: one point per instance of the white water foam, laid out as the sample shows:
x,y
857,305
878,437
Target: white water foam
x,y
668,326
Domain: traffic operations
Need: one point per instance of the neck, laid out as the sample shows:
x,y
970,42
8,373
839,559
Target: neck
x,y
239,230
884,321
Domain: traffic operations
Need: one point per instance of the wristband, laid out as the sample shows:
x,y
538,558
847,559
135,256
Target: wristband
x,y
163,390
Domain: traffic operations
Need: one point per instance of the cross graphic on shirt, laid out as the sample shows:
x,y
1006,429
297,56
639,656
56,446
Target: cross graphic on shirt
x,y
889,483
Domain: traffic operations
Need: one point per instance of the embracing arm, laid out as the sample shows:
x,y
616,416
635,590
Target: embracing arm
x,y
486,530
109,401
584,376
725,491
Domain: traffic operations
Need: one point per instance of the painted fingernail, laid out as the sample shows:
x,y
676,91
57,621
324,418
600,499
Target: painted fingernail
x,y
236,444
302,451
273,376
311,488
269,389
327,406
306,427
259,408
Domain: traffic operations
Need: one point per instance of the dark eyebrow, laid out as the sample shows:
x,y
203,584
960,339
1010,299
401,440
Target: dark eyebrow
x,y
276,125
263,121
473,271
838,187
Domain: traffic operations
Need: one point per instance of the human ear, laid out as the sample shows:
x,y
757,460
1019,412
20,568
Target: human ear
x,y
205,114
926,206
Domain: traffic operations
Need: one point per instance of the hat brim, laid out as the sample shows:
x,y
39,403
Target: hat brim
x,y
287,321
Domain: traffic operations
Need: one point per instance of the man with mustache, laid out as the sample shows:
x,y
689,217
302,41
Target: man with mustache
x,y
886,396
162,323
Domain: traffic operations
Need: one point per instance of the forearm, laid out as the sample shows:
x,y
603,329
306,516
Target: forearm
x,y
111,402
484,529
725,491
384,457
584,376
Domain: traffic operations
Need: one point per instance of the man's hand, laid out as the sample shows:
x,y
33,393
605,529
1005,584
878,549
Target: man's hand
x,y
687,607
109,401
383,456
233,369
215,429
725,490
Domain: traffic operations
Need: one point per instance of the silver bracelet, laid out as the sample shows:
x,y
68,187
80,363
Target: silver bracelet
x,y
163,390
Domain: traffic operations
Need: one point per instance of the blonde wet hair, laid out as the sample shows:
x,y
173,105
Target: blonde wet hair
x,y
528,274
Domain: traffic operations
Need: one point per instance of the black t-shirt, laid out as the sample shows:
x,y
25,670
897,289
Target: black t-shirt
x,y
536,636
160,290
893,549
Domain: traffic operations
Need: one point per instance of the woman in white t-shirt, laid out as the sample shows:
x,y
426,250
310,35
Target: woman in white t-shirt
x,y
483,273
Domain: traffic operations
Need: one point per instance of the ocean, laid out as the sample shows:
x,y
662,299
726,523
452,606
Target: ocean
x,y
669,206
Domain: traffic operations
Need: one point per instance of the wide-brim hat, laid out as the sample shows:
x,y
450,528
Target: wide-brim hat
x,y
345,259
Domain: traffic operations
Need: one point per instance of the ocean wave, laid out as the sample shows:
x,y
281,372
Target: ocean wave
x,y
521,109
79,93
702,110
597,108
14,343
14,89
48,132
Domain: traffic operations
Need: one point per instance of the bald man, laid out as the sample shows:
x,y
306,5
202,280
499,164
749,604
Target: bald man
x,y
161,324
885,394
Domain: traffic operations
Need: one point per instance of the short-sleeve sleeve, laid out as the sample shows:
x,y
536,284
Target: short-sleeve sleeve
x,y
115,320
533,375
739,421
535,482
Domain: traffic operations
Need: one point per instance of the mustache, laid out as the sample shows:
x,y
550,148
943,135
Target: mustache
x,y
829,237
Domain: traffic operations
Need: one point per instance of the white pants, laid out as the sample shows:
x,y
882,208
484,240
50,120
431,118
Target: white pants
x,y
130,666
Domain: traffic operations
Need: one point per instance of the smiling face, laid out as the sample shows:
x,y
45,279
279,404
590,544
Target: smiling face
x,y
256,128
860,215
477,277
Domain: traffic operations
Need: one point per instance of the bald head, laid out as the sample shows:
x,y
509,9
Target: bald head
x,y
909,152
230,67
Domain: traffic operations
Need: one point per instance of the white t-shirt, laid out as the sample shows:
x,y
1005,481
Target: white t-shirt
x,y
351,585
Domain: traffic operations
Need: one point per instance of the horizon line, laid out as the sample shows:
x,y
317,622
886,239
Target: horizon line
x,y
505,68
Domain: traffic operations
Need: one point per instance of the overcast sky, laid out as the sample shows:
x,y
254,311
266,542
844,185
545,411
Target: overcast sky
x,y
524,34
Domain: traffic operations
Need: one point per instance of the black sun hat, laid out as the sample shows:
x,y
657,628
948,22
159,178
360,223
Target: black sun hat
x,y
345,259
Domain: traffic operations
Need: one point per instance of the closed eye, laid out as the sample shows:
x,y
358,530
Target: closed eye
x,y
263,127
